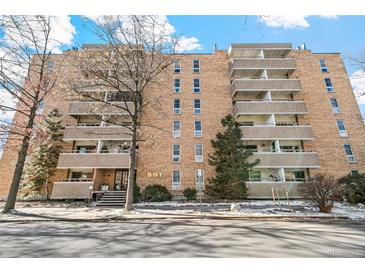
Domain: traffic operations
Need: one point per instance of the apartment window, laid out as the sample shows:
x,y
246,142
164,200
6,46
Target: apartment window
x,y
177,107
323,65
196,66
199,153
197,106
248,124
341,128
50,65
335,107
176,129
176,180
254,175
328,84
176,153
198,129
354,172
348,150
250,148
199,179
177,67
40,108
196,85
177,87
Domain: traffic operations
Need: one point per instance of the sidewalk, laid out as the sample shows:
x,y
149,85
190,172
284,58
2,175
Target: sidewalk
x,y
262,210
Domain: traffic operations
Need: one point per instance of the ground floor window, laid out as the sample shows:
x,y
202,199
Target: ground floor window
x,y
176,180
294,175
254,175
81,175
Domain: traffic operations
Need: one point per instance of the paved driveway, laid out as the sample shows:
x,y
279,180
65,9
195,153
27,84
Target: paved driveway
x,y
196,238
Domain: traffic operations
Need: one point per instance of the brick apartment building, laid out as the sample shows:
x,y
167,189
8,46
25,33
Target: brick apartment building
x,y
296,109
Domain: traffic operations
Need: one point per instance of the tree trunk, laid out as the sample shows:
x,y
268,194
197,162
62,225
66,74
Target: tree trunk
x,y
132,171
10,202
13,191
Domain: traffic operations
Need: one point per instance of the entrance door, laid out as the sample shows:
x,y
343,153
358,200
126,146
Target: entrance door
x,y
121,180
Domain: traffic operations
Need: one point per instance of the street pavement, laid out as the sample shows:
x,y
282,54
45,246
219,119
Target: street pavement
x,y
183,238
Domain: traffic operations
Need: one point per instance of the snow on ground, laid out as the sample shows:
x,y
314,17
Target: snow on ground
x,y
265,208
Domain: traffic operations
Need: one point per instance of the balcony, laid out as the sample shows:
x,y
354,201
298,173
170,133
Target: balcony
x,y
96,133
254,85
286,159
100,85
269,107
254,50
71,190
267,132
99,108
263,189
72,159
251,66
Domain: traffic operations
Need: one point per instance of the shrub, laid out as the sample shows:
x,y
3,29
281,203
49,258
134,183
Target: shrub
x,y
353,188
323,190
189,193
156,193
136,193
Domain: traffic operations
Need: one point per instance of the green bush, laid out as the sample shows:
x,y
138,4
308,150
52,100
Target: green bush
x,y
190,193
136,193
353,188
156,193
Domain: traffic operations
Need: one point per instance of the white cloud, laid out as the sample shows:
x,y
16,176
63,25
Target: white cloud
x,y
163,30
358,84
284,21
290,21
188,44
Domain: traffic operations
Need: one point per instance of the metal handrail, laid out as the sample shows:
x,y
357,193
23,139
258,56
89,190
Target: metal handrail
x,y
274,124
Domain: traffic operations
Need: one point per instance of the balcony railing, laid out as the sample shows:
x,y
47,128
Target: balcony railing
x,y
269,107
71,190
92,132
91,159
100,108
286,159
277,132
247,85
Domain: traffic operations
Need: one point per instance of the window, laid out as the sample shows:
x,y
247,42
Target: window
x,y
199,179
177,109
196,66
254,175
199,153
248,124
323,65
335,107
198,129
299,175
176,180
40,108
350,156
176,129
177,87
176,153
341,128
251,148
328,84
197,107
177,66
196,87
50,65
354,172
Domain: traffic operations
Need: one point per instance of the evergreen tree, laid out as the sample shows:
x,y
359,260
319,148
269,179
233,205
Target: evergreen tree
x,y
230,160
43,160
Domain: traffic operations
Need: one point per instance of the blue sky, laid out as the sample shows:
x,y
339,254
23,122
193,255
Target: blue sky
x,y
339,34
342,34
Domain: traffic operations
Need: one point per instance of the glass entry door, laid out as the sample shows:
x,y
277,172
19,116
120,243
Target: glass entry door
x,y
121,180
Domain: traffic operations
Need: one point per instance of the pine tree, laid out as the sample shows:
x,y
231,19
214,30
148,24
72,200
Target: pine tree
x,y
43,161
230,159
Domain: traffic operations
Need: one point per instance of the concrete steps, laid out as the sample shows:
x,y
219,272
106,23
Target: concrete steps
x,y
112,199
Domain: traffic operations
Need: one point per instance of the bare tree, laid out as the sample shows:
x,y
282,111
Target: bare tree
x,y
137,50
28,74
323,190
